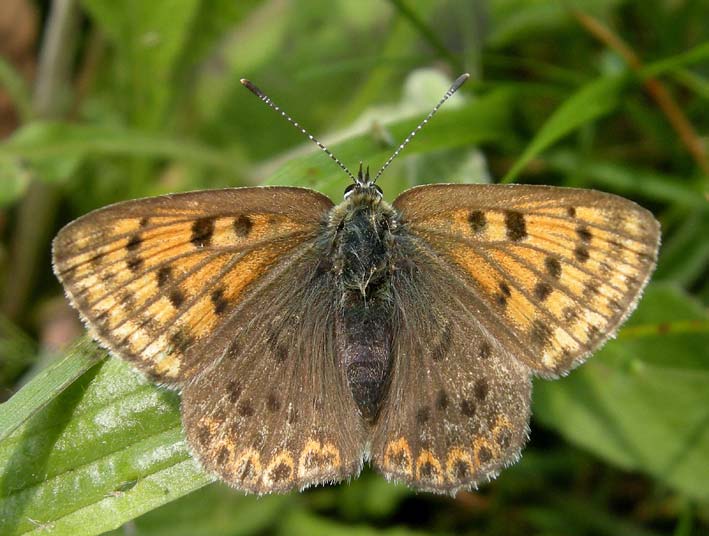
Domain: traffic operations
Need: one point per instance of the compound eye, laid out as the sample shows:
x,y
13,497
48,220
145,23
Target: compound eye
x,y
379,190
349,190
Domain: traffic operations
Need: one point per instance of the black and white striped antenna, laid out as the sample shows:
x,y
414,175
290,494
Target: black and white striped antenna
x,y
454,87
265,98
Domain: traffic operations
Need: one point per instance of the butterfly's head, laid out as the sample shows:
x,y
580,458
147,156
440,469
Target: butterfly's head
x,y
363,185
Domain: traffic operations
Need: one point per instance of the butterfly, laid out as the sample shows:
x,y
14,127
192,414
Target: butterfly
x,y
309,338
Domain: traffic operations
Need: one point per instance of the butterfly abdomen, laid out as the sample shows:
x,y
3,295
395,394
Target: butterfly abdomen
x,y
362,237
364,350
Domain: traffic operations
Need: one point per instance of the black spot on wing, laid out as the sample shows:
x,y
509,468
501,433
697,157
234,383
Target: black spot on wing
x,y
176,297
542,291
273,403
246,408
134,263
234,390
481,389
242,226
423,415
516,225
134,242
468,408
504,293
540,333
485,350
581,253
553,267
202,231
281,472
181,340
584,234
219,302
477,220
163,276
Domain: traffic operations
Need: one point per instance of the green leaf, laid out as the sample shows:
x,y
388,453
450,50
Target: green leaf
x,y
695,55
301,522
685,253
62,144
14,84
46,385
107,449
215,510
592,101
14,180
253,39
626,180
642,403
149,38
519,20
17,351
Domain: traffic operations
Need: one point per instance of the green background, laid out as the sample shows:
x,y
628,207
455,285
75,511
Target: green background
x,y
133,98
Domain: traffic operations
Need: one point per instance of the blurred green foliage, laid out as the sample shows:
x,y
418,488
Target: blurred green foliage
x,y
151,103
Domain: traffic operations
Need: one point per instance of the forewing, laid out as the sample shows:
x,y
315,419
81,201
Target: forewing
x,y
272,412
551,272
154,278
457,409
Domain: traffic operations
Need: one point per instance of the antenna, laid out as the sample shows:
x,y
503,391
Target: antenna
x,y
360,179
454,87
265,98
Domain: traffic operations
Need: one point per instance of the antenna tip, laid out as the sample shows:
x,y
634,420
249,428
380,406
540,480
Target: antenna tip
x,y
460,81
252,88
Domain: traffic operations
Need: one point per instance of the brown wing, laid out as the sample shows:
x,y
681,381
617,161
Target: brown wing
x,y
153,278
551,272
221,293
457,409
273,412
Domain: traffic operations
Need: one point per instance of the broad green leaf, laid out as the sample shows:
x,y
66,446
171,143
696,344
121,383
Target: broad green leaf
x,y
642,403
106,450
589,103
